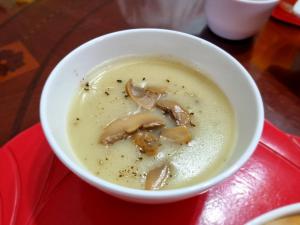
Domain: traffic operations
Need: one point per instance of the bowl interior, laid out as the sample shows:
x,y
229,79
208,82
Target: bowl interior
x,y
215,63
285,211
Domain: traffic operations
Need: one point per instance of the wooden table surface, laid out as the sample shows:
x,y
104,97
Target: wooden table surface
x,y
34,37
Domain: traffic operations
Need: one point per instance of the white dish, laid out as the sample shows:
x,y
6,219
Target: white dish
x,y
219,66
238,19
288,210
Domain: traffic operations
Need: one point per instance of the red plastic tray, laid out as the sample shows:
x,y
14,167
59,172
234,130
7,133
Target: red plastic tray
x,y
35,188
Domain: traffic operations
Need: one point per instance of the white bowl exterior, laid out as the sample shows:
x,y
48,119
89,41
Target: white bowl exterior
x,y
219,66
288,210
237,19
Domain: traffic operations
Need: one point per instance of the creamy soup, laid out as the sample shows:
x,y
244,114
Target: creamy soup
x,y
289,220
151,123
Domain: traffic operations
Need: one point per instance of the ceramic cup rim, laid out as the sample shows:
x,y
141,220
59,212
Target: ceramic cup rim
x,y
260,2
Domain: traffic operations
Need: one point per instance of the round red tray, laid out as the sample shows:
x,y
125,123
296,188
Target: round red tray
x,y
35,188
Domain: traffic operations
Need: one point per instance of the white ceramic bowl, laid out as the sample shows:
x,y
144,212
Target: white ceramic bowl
x,y
284,211
223,69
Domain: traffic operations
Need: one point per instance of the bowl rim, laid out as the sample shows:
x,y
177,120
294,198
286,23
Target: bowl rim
x,y
261,2
119,190
275,214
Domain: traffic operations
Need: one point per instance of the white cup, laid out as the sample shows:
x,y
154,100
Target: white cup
x,y
220,67
186,16
238,19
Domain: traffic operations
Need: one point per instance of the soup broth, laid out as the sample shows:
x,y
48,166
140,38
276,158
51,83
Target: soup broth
x,y
205,142
289,220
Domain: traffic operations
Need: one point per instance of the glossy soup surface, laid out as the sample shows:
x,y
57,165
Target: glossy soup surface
x,y
101,99
289,220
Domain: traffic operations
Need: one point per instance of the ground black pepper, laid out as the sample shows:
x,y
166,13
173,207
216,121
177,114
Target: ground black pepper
x,y
86,86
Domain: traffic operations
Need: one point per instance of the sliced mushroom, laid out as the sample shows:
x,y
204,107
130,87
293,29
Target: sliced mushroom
x,y
123,127
180,134
145,97
157,177
147,142
181,116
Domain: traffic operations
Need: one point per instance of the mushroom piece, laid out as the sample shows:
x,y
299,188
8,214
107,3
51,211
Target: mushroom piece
x,y
145,97
180,134
123,127
147,142
157,177
181,116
